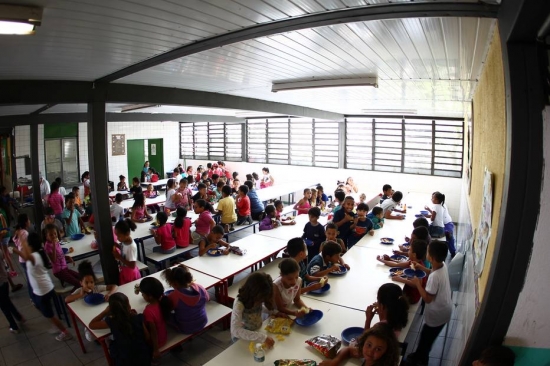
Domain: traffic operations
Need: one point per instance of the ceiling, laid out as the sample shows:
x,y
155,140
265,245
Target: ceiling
x,y
429,65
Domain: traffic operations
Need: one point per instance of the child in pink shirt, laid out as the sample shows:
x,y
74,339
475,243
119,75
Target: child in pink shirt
x,y
56,200
52,247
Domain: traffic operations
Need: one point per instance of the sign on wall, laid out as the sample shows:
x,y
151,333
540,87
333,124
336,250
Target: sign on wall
x,y
483,233
153,149
118,144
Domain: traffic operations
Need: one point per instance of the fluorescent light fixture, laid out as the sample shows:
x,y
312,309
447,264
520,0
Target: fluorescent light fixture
x,y
325,83
19,20
390,111
135,107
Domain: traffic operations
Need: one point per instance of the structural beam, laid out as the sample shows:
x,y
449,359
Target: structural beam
x,y
356,14
35,177
15,92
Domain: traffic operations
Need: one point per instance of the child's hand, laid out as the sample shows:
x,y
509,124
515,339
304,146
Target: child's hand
x,y
335,267
116,254
415,281
347,266
269,342
107,297
371,233
316,286
371,311
292,222
379,258
226,251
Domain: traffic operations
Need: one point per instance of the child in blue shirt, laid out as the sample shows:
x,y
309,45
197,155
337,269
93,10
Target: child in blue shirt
x,y
325,262
345,218
361,225
314,232
377,217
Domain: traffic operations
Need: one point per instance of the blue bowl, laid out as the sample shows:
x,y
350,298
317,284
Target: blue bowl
x,y
214,252
425,212
386,241
409,272
309,319
418,216
343,271
94,299
168,292
77,236
308,242
399,258
322,290
65,250
406,245
351,333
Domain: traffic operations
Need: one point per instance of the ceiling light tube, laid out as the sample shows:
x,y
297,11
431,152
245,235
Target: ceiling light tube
x,y
18,19
326,83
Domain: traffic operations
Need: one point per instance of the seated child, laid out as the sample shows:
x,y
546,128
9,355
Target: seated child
x,y
213,240
303,205
77,200
269,222
287,289
150,192
204,223
314,232
389,206
184,195
391,306
182,228
163,235
188,300
325,262
331,231
339,197
345,218
377,217
420,232
156,312
361,225
322,198
283,220
297,250
387,193
122,186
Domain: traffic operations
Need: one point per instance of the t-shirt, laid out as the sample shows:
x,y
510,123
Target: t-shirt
x,y
72,227
153,314
58,224
38,276
447,217
117,211
255,204
344,230
227,207
96,290
18,240
164,233
243,206
202,225
56,202
169,202
388,205
317,264
129,252
439,311
189,308
439,215
59,263
383,198
288,294
182,233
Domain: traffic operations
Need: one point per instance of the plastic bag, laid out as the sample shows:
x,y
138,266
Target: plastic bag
x,y
327,345
279,325
295,363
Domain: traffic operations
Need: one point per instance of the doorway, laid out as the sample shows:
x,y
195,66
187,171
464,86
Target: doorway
x,y
135,155
155,149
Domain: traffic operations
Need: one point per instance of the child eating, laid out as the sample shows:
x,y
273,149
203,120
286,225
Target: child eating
x,y
361,225
314,232
297,250
325,262
377,217
287,288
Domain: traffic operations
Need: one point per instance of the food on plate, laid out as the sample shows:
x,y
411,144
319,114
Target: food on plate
x,y
215,251
295,363
305,310
323,281
413,267
279,325
398,273
71,249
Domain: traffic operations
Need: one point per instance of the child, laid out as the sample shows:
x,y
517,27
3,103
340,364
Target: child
x,y
204,222
246,318
37,264
7,307
55,200
257,182
182,228
377,217
420,222
218,190
77,201
361,225
201,193
339,197
150,192
326,261
88,285
442,223
171,198
52,247
314,232
139,210
156,312
286,289
391,306
184,194
73,222
362,198
85,178
303,205
126,252
278,210
163,235
389,205
256,206
136,186
243,206
213,240
5,240
496,356
313,199
437,297
122,186
331,233
416,254
153,176
199,172
188,300
226,208
117,211
297,250
345,218
269,222
420,233
378,346
387,192
267,179
322,198
20,235
235,186
130,344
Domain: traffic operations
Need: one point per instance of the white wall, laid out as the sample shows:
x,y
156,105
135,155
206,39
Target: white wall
x,y
368,181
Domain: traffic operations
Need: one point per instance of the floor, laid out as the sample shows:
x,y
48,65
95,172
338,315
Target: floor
x,y
34,346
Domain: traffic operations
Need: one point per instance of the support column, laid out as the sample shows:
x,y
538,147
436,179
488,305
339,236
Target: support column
x,y
35,176
99,176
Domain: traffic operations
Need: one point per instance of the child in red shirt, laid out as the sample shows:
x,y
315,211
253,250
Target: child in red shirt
x,y
243,206
156,312
163,235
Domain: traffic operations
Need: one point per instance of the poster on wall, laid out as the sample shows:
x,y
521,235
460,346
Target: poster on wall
x,y
153,149
118,144
483,232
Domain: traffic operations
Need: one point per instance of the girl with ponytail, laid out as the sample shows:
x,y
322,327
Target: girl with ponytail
x,y
391,306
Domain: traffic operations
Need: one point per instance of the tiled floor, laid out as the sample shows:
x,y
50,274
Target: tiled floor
x,y
34,346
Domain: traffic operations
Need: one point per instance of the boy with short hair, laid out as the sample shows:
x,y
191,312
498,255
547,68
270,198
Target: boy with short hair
x,y
297,250
389,205
325,262
213,240
437,297
226,207
361,225
387,192
322,198
331,232
344,218
314,231
377,217
73,222
339,197
278,209
243,206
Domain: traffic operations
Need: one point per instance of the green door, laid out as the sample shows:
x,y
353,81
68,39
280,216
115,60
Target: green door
x,y
156,155
135,153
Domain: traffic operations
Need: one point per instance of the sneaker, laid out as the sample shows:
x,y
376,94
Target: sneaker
x,y
14,331
88,335
63,336
53,330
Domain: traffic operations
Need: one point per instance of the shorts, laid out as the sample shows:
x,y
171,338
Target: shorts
x,y
45,304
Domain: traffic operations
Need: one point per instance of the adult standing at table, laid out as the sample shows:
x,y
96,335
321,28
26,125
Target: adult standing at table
x,y
146,167
256,206
267,179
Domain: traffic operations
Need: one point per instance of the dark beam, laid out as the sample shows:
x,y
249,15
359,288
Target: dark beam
x,y
43,109
357,14
14,92
35,177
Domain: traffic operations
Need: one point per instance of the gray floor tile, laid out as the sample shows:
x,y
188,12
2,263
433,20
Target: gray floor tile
x,y
93,351
33,362
99,362
437,348
416,323
410,339
198,352
18,352
46,343
218,337
7,338
37,326
61,357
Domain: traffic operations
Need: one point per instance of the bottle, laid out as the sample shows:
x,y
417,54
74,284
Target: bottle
x,y
259,354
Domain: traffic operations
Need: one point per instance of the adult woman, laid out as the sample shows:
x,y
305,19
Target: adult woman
x,y
146,167
351,187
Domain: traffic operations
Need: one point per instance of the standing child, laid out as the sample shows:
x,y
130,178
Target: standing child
x,y
156,312
325,262
297,250
7,307
314,232
122,186
182,228
246,318
184,194
303,205
339,198
150,192
287,288
218,190
188,300
377,217
41,283
361,225
387,192
163,235
130,344
227,207
171,198
267,179
439,306
345,218
136,186
213,240
20,236
139,210
52,247
73,222
442,223
391,306
235,186
204,222
243,206
126,252
269,222
55,200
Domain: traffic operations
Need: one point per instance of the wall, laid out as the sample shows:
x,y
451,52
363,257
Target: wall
x,y
530,325
367,181
489,120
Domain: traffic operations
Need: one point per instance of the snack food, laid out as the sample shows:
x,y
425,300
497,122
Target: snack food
x,y
304,310
252,346
71,249
280,338
327,345
323,281
397,273
295,363
279,325
215,251
413,266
